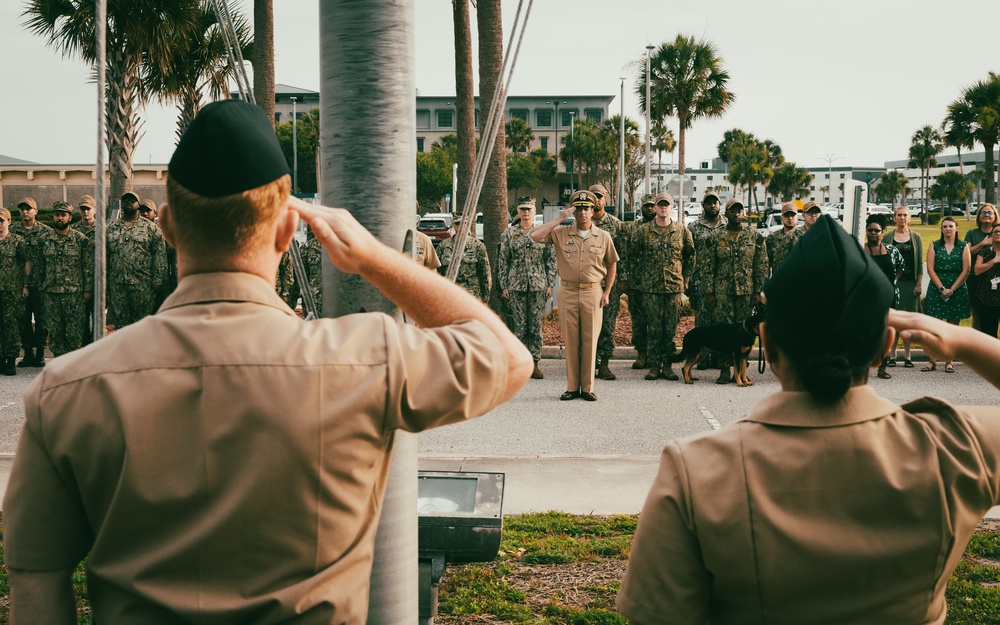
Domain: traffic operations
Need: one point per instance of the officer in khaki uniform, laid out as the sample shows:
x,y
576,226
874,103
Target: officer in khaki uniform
x,y
585,256
235,472
827,503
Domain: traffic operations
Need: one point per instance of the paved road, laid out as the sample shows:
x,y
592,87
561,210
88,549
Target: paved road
x,y
587,457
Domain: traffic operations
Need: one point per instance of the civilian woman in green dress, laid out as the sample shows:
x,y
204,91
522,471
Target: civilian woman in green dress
x,y
948,265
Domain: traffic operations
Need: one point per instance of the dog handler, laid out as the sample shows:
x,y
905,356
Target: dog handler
x,y
827,503
224,461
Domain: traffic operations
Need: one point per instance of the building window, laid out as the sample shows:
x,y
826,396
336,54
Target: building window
x,y
446,119
543,119
694,177
595,115
841,176
519,113
423,119
277,117
710,177
545,143
566,118
812,188
420,144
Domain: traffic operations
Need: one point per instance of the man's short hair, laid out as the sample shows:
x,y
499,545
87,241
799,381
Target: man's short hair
x,y
227,226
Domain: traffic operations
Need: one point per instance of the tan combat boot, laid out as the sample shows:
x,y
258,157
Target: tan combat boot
x,y
640,362
604,373
537,373
654,373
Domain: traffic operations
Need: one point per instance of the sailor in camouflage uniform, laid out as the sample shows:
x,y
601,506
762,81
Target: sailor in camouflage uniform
x,y
88,220
474,270
66,277
664,263
735,268
13,266
780,243
634,286
702,230
613,226
527,273
33,335
137,265
312,258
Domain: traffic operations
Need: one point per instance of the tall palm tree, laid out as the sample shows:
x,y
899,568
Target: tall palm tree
x,y
465,101
494,195
730,139
750,167
138,31
610,131
263,56
519,135
983,98
789,181
199,62
925,145
891,184
950,186
687,81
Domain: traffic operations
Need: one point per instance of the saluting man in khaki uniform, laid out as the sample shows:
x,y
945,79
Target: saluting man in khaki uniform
x,y
224,461
585,255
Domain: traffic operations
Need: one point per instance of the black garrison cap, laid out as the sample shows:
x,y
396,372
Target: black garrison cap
x,y
829,284
229,147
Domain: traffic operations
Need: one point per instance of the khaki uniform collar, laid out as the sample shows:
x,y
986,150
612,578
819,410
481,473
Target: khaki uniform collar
x,y
794,409
232,286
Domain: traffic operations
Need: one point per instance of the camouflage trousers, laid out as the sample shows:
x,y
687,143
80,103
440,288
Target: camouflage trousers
x,y
704,313
64,317
606,341
32,324
662,311
731,309
126,304
636,310
523,314
11,311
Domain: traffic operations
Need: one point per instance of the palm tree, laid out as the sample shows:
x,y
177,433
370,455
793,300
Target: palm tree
x,y
687,81
198,62
983,98
662,140
950,186
750,168
891,184
138,31
263,56
610,132
789,181
519,135
731,139
465,103
977,176
925,145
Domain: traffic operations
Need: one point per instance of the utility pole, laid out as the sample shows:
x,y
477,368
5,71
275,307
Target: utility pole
x,y
649,51
295,148
619,211
572,140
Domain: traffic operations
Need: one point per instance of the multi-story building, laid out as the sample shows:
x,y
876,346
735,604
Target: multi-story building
x,y
971,161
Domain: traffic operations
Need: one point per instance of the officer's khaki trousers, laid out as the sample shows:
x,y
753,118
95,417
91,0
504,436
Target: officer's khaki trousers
x,y
580,318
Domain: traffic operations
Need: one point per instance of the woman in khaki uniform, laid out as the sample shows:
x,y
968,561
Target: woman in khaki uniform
x,y
827,503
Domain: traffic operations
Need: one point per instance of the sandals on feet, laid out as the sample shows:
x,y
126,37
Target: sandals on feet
x,y
949,368
907,363
884,375
890,362
929,367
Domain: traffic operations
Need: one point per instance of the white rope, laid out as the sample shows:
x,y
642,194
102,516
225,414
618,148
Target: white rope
x,y
494,119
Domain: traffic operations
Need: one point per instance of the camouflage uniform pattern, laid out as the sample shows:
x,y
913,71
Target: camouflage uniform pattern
x,y
664,265
606,341
137,262
88,311
13,255
735,271
474,271
285,279
702,231
636,306
778,245
527,270
32,335
85,230
312,258
65,273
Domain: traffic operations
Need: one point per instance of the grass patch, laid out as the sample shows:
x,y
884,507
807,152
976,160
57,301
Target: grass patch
x,y
559,538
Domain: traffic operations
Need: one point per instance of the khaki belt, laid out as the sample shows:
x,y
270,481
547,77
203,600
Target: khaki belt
x,y
579,285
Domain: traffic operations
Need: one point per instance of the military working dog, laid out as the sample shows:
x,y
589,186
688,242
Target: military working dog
x,y
734,339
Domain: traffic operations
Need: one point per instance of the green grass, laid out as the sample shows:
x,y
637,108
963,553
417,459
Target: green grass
x,y
534,546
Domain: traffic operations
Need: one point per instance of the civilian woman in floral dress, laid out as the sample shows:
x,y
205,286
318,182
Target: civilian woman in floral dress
x,y
948,265
987,286
890,261
979,238
910,283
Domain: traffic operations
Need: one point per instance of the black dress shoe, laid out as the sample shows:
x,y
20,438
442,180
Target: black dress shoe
x,y
568,395
588,396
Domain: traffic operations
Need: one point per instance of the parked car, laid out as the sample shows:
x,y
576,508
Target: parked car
x,y
445,216
436,228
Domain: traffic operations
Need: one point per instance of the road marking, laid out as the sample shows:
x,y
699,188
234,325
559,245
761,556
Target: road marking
x,y
712,421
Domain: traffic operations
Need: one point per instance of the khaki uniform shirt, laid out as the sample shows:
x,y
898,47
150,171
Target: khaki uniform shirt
x,y
424,252
803,514
582,260
225,461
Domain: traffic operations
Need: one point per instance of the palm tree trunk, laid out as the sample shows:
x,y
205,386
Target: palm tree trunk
x,y
681,148
494,195
123,125
263,56
367,141
465,105
991,181
190,103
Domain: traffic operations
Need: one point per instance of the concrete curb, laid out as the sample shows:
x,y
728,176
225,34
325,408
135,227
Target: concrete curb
x,y
558,352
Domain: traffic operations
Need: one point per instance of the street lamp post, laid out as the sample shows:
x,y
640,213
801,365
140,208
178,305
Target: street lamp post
x,y
649,50
572,129
829,158
621,156
295,149
556,126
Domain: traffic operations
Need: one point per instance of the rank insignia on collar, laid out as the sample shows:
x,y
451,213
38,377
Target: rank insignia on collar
x,y
722,244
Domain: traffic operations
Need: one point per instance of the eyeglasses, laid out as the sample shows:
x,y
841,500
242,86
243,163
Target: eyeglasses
x,y
876,230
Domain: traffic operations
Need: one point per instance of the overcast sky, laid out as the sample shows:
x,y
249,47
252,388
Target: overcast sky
x,y
849,80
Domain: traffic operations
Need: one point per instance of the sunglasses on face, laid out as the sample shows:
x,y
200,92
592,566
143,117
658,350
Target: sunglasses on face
x,y
874,230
